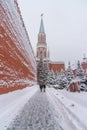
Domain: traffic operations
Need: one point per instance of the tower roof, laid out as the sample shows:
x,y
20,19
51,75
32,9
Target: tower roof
x,y
41,30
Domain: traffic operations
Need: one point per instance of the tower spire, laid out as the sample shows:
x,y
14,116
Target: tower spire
x,y
41,30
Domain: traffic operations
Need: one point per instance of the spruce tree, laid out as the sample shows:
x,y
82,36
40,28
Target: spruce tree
x,y
62,80
80,73
51,77
56,78
69,73
40,71
46,69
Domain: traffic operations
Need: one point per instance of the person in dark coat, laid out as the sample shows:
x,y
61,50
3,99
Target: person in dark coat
x,y
41,86
44,86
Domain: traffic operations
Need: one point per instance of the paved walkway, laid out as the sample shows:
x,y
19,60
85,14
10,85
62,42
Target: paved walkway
x,y
37,114
43,111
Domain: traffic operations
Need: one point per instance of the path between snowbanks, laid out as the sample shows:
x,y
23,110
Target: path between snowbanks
x,y
46,111
42,112
37,114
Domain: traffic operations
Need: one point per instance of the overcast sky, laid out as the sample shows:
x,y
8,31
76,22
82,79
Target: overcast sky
x,y
65,23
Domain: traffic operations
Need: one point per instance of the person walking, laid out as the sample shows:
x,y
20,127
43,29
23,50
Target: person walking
x,y
44,86
40,87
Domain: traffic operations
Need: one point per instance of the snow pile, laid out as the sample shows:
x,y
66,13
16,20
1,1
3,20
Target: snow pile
x,y
12,103
75,104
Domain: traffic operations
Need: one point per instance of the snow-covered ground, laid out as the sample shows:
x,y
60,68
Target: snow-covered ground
x,y
29,109
74,104
12,103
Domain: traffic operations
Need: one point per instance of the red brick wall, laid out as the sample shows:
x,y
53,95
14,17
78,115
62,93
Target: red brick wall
x,y
56,67
17,61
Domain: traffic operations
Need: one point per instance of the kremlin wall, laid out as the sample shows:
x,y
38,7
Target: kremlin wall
x,y
17,60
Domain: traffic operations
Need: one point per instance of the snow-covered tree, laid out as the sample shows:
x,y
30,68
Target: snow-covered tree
x,y
62,74
85,78
83,84
48,75
69,73
46,71
62,80
80,73
56,78
40,71
51,77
